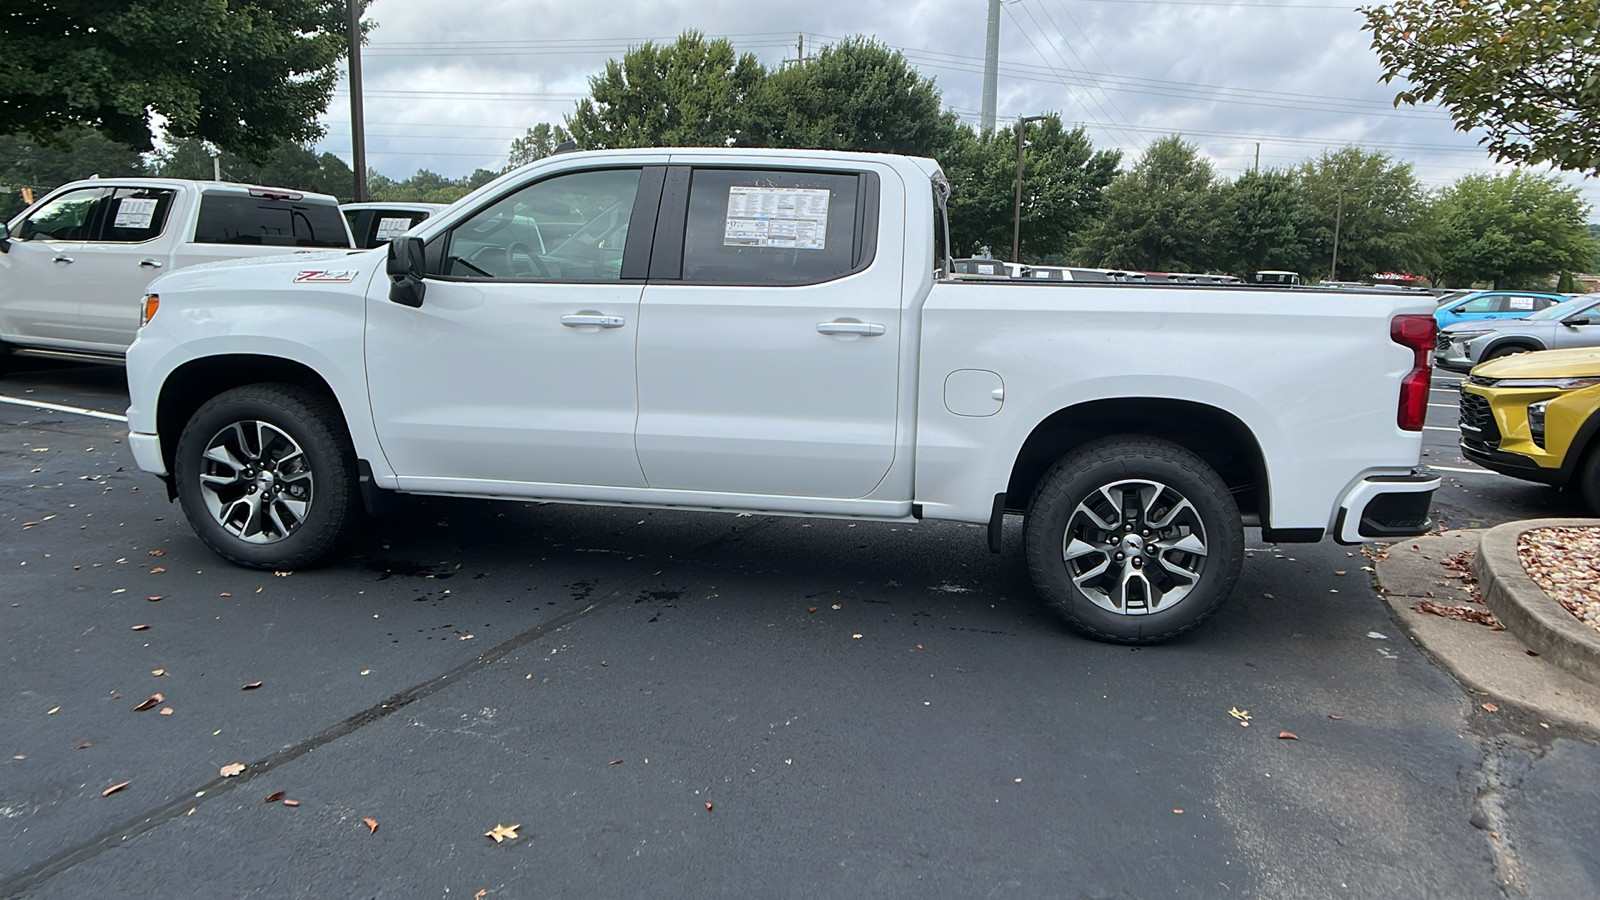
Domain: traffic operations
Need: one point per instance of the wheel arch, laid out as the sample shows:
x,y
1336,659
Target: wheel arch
x,y
1530,344
1217,436
190,385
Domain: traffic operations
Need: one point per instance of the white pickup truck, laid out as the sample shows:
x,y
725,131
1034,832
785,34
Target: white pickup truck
x,y
73,265
778,332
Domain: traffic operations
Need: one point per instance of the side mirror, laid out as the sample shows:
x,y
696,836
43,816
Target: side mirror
x,y
1575,321
406,267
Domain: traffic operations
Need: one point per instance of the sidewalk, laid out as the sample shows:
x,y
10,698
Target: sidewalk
x,y
1535,664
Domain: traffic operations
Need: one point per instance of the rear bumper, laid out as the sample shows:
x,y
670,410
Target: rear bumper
x,y
1386,507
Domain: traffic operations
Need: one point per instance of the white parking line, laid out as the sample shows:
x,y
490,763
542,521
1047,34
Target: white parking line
x,y
1454,469
56,407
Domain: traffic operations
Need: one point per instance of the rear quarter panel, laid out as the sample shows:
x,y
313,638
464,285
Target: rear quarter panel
x,y
1315,377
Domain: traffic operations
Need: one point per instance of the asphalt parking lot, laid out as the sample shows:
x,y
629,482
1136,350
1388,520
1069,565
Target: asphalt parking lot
x,y
679,704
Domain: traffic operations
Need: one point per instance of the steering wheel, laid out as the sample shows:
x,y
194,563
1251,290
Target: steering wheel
x,y
539,267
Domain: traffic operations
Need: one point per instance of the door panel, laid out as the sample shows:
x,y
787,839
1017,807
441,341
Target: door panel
x,y
772,386
38,279
131,247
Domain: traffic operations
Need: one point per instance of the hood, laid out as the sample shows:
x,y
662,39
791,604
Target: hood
x,y
1516,324
1577,363
303,256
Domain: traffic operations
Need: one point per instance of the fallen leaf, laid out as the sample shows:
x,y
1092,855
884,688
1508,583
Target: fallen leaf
x,y
156,599
158,553
251,686
919,646
501,833
224,594
165,711
1531,652
372,825
158,672
1178,812
856,636
1288,736
1243,715
114,788
1338,571
837,606
366,671
616,762
1491,707
1336,718
232,769
158,570
708,806
53,710
811,609
274,797
141,628
20,756
154,701
289,802
480,895
464,637
83,746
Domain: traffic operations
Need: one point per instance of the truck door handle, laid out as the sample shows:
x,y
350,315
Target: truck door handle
x,y
150,263
62,259
593,320
849,327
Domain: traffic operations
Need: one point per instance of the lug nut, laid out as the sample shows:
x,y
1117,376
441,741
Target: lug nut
x,y
251,489
1119,557
1138,561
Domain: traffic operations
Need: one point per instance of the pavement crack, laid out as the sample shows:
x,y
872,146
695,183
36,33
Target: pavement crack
x,y
1506,760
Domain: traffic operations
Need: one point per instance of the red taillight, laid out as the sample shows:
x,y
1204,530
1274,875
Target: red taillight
x,y
1415,332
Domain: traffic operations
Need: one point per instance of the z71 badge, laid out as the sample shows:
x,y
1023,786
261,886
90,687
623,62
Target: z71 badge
x,y
325,275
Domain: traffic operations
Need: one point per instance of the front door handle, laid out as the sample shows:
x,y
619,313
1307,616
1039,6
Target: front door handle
x,y
150,263
592,320
845,326
62,259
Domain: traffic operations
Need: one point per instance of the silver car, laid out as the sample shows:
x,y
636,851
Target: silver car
x,y
1574,323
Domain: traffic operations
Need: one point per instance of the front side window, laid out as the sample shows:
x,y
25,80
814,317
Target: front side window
x,y
228,218
571,227
136,214
65,218
763,228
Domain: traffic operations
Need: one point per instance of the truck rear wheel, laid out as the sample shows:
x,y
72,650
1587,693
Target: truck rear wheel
x,y
1133,540
267,476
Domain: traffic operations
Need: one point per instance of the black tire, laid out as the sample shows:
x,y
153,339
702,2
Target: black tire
x,y
1074,499
314,494
1505,351
1589,479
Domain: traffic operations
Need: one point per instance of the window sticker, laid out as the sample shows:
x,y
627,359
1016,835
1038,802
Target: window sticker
x,y
134,212
389,229
790,218
1520,303
985,269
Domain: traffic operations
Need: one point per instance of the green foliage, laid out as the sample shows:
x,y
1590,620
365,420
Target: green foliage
x,y
427,187
74,154
1387,223
540,141
1063,180
1164,215
1514,230
1264,225
245,75
854,95
290,165
1526,72
692,93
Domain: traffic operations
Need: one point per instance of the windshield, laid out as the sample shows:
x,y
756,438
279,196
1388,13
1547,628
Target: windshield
x,y
1560,310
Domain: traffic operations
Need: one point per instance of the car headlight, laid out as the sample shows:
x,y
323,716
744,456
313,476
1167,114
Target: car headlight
x,y
1461,337
1557,384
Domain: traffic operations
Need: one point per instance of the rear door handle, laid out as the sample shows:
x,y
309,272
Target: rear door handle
x,y
150,263
850,327
62,259
592,320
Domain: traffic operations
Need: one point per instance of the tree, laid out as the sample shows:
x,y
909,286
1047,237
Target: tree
x,y
1527,72
242,74
1386,223
79,153
1162,216
1265,224
1064,179
540,141
854,95
290,165
686,94
1513,230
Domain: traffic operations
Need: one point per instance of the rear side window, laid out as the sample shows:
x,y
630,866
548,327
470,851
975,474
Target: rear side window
x,y
772,228
257,221
136,214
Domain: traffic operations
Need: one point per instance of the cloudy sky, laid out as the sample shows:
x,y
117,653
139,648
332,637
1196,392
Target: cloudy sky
x,y
449,83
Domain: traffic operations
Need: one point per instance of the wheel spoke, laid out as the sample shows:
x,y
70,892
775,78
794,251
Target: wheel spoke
x,y
247,461
1077,548
1134,546
1189,543
1179,508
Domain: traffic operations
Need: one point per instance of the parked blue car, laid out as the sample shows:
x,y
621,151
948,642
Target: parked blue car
x,y
1493,305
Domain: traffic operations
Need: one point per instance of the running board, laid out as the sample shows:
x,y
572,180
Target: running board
x,y
73,355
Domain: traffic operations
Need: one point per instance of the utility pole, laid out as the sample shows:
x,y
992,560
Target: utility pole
x,y
358,130
1258,158
1338,219
1016,204
991,69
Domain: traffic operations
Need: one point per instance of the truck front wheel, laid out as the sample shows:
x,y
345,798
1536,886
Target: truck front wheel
x,y
1133,540
267,476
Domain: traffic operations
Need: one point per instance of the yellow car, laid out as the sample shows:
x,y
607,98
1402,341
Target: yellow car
x,y
1537,416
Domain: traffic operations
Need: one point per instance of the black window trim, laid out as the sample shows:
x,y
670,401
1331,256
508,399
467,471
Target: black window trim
x,y
644,205
666,261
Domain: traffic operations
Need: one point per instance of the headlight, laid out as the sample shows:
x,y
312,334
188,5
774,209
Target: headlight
x,y
1461,337
1558,384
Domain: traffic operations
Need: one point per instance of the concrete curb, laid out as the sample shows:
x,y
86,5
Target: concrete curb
x,y
1525,609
